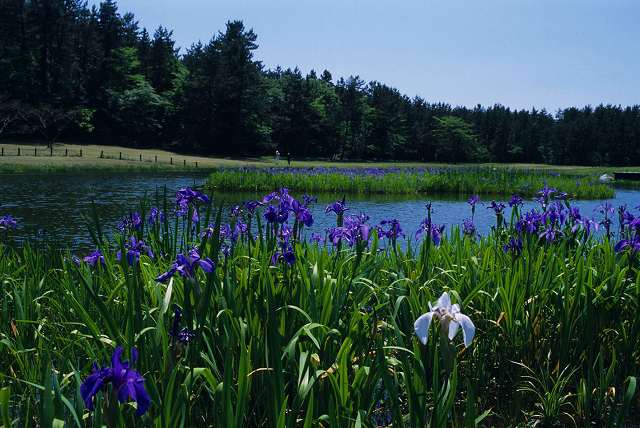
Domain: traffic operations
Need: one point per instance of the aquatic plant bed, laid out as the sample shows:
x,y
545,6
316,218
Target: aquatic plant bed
x,y
451,180
183,321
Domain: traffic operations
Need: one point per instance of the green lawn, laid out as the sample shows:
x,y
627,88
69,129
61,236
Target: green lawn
x,y
169,161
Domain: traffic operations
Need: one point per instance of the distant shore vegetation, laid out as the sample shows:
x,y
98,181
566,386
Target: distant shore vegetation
x,y
405,181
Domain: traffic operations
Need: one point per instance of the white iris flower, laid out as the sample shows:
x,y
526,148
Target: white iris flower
x,y
451,319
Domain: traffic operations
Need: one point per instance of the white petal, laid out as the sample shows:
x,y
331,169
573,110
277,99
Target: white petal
x,y
421,326
453,329
444,302
455,309
468,329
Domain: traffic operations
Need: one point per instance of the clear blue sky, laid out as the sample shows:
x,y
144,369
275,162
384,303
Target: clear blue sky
x,y
520,53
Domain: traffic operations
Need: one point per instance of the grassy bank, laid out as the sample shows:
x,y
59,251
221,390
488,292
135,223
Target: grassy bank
x,y
286,331
66,158
91,158
419,181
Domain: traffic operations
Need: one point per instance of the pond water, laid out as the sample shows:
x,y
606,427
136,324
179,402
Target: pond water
x,y
50,207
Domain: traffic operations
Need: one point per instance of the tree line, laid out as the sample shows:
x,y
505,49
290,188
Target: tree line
x,y
69,72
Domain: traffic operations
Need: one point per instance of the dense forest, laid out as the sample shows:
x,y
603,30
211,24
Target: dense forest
x,y
73,73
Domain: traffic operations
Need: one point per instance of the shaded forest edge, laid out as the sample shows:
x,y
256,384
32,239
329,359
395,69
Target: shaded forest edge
x,y
92,75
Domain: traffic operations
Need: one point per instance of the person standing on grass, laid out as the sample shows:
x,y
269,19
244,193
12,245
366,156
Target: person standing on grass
x,y
277,155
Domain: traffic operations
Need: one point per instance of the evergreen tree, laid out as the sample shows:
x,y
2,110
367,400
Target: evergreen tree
x,y
455,141
73,72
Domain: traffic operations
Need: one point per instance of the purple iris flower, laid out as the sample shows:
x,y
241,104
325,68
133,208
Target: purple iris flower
x,y
586,224
316,237
497,207
515,201
529,222
131,222
8,222
271,214
251,206
338,207
186,265
285,232
302,213
625,216
632,245
468,228
339,234
574,214
134,249
555,214
549,234
226,250
432,231
622,245
155,216
236,211
182,335
188,197
356,220
278,214
605,209
304,216
286,254
95,258
240,229
390,229
353,232
281,196
209,230
289,257
308,200
268,198
127,383
363,232
473,200
546,192
514,246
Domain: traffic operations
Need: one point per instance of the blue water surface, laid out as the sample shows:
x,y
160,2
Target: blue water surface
x,y
51,207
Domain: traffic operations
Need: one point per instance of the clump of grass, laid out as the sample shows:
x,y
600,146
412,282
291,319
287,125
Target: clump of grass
x,y
418,181
289,331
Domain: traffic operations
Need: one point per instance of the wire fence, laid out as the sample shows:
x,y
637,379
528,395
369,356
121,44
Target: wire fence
x,y
66,152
